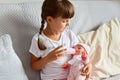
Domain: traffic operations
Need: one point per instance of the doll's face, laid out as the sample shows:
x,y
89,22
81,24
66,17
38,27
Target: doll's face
x,y
80,49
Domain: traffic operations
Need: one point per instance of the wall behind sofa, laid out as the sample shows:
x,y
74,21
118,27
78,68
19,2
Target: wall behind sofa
x,y
17,1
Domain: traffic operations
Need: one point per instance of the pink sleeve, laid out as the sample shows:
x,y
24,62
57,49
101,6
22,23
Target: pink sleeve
x,y
85,59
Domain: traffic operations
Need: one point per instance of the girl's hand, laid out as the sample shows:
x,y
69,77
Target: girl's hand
x,y
87,69
56,53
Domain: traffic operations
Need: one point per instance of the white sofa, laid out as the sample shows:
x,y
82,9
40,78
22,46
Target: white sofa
x,y
22,20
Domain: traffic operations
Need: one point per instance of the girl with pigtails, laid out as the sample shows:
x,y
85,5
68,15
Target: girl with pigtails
x,y
49,47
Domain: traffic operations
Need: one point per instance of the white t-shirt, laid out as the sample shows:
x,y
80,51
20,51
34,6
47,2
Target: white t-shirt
x,y
53,70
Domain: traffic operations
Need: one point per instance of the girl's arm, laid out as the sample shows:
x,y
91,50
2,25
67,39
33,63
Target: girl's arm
x,y
39,63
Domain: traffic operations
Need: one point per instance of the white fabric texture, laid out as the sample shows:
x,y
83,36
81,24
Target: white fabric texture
x,y
10,65
105,48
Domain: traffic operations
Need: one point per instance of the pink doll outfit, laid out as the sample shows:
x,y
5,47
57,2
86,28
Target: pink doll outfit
x,y
77,63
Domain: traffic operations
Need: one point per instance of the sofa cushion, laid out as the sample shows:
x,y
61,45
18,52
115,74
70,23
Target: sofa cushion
x,y
10,65
105,48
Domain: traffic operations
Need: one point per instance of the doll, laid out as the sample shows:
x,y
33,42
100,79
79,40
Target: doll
x,y
79,60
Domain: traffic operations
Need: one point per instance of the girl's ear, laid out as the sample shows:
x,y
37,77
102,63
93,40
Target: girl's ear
x,y
49,19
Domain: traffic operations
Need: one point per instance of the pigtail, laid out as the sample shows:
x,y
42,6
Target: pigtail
x,y
40,38
42,26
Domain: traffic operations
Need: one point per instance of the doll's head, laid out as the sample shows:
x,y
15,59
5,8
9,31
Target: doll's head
x,y
81,49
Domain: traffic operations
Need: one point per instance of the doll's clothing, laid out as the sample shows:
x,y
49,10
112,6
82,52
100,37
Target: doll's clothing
x,y
77,63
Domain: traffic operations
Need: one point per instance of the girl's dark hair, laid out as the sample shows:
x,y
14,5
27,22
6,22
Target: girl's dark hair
x,y
56,8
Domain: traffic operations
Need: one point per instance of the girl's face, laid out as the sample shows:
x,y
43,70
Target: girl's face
x,y
59,24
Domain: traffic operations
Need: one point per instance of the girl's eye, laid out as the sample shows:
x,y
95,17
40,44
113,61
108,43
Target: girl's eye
x,y
64,21
67,20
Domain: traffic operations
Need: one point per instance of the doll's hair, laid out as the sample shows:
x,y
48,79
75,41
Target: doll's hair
x,y
56,8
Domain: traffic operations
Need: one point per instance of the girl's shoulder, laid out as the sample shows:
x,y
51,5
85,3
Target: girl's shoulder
x,y
36,36
72,37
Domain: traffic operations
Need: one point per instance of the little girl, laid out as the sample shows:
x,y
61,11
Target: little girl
x,y
48,47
